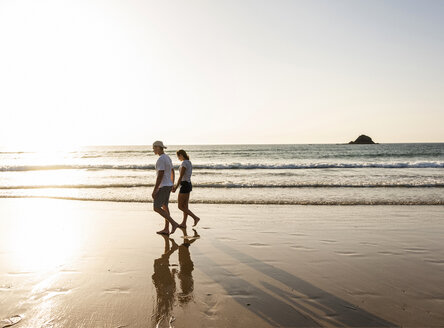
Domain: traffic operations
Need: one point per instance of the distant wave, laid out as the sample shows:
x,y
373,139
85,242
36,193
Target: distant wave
x,y
226,186
247,202
232,166
79,186
320,166
75,167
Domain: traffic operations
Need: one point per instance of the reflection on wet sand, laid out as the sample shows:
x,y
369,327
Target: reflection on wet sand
x,y
164,279
186,268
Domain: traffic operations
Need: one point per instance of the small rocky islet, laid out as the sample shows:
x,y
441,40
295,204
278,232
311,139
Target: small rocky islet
x,y
362,140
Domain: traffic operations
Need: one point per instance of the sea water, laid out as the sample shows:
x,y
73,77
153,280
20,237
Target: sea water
x,y
338,174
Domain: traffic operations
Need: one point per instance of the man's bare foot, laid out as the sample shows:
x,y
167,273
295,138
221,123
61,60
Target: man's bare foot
x,y
196,221
163,232
174,226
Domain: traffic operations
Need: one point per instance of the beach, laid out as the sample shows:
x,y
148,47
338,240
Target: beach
x,y
67,263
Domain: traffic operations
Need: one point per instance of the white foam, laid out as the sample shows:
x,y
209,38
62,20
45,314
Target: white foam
x,y
232,166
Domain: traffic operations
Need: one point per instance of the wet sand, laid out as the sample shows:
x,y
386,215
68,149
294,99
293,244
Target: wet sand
x,y
99,264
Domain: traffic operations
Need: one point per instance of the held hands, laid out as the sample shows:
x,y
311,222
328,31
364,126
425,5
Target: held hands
x,y
174,189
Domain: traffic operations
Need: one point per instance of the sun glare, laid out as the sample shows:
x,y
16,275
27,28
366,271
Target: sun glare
x,y
44,238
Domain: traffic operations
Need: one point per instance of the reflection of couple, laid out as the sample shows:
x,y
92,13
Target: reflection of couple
x,y
165,184
164,278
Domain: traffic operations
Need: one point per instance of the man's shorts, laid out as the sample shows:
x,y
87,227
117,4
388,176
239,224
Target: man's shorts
x,y
162,197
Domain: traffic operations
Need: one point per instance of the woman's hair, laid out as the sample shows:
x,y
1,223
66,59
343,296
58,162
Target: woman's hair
x,y
183,153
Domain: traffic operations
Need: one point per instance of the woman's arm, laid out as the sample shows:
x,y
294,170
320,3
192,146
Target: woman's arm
x,y
182,172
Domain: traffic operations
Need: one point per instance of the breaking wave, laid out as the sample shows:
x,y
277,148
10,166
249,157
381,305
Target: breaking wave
x,y
226,186
231,166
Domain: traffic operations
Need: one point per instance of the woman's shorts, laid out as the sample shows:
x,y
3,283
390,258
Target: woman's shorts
x,y
185,187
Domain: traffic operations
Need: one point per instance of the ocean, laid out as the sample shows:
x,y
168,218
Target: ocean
x,y
318,174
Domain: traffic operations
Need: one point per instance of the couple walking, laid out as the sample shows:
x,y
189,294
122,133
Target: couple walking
x,y
165,185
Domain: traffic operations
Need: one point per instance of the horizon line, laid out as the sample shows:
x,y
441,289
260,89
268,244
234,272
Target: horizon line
x,y
16,147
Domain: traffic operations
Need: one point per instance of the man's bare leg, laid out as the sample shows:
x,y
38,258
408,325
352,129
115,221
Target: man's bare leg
x,y
165,230
168,219
166,209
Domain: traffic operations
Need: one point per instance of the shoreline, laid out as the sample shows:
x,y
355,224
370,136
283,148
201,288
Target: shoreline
x,y
222,202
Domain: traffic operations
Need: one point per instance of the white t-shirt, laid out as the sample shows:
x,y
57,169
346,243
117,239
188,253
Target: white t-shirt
x,y
164,164
189,169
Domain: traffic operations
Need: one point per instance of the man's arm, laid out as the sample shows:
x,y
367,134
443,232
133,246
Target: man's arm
x,y
172,175
158,181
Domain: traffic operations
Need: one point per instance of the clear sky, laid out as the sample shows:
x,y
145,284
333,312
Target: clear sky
x,y
199,72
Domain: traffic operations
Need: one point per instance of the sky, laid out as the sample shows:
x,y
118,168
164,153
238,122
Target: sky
x,y
88,72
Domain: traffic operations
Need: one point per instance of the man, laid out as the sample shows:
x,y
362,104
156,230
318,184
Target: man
x,y
162,189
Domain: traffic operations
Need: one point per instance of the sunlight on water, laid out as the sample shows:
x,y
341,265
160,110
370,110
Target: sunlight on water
x,y
48,178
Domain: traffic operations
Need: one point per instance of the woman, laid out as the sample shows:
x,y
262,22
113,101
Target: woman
x,y
185,171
